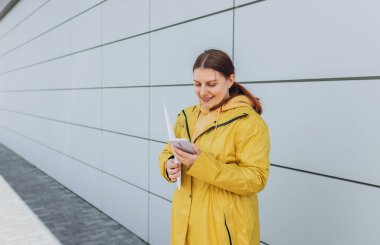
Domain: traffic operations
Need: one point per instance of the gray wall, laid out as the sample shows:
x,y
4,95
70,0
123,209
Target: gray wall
x,y
82,85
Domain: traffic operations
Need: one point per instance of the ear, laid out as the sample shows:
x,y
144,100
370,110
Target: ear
x,y
231,80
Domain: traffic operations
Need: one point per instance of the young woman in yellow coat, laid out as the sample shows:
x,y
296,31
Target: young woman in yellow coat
x,y
217,203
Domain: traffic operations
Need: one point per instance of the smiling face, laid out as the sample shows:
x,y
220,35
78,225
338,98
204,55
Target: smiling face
x,y
211,86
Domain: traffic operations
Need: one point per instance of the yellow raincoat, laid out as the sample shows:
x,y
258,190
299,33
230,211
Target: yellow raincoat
x,y
217,203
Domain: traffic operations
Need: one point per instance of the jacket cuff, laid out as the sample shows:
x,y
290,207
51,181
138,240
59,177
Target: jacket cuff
x,y
205,168
165,172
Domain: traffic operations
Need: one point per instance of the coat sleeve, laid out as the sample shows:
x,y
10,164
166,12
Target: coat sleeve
x,y
167,153
249,174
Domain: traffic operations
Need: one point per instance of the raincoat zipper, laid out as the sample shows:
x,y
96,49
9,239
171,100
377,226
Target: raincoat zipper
x,y
219,125
228,231
187,126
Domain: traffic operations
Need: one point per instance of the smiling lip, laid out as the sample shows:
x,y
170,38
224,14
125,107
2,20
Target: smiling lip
x,y
206,99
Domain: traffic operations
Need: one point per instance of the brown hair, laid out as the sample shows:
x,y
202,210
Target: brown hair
x,y
221,62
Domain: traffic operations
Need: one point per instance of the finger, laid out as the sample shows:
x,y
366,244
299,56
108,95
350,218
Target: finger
x,y
185,162
173,160
173,171
176,175
182,153
196,149
178,151
175,151
171,164
178,167
181,159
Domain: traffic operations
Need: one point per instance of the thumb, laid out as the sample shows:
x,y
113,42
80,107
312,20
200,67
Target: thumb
x,y
196,149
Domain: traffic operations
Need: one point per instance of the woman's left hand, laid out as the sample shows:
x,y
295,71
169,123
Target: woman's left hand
x,y
187,158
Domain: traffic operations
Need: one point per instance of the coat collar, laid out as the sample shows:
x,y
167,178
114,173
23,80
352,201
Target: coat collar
x,y
225,118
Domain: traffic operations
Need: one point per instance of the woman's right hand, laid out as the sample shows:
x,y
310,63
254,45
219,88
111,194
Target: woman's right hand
x,y
173,169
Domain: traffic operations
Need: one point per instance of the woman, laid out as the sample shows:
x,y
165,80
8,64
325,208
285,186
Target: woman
x,y
217,202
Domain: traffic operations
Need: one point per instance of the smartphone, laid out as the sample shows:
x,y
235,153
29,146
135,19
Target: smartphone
x,y
183,144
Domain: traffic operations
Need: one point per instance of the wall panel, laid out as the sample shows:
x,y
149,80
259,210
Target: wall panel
x,y
126,158
325,127
87,182
122,19
126,204
126,111
126,63
159,220
183,11
86,107
278,40
86,30
171,62
86,145
299,208
86,69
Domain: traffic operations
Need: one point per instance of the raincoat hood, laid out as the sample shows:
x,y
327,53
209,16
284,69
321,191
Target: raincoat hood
x,y
206,118
235,102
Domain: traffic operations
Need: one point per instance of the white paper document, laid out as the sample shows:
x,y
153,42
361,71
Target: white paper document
x,y
171,135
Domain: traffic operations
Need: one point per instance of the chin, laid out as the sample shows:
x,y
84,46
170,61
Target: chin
x,y
208,107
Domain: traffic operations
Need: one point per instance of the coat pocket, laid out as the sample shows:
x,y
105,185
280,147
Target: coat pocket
x,y
231,225
235,227
228,230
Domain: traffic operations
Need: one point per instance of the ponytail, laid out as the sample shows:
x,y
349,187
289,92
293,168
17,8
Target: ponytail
x,y
238,89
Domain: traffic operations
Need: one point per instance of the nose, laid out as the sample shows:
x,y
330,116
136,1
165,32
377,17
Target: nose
x,y
203,90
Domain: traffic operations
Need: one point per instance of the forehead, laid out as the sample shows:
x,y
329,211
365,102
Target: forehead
x,y
204,75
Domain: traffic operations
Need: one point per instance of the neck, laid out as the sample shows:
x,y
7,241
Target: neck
x,y
223,102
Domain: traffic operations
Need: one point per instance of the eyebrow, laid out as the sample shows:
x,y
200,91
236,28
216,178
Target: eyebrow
x,y
206,81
